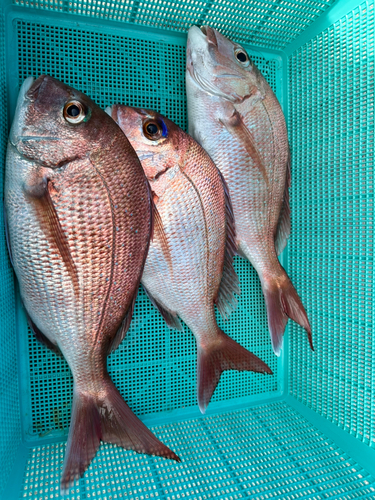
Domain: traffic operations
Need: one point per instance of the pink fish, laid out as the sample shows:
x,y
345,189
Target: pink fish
x,y
79,214
234,114
189,266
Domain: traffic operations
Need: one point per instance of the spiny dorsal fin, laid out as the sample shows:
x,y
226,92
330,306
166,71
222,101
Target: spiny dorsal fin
x,y
226,301
283,226
170,317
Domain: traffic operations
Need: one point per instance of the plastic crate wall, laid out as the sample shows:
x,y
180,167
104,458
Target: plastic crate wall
x,y
154,368
331,252
267,23
10,433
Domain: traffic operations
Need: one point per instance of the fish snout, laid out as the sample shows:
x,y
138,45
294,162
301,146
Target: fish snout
x,y
18,122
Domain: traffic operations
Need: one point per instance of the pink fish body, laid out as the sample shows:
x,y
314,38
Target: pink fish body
x,y
235,116
189,265
79,216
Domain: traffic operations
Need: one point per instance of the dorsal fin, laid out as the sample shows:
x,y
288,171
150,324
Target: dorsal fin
x,y
170,317
226,301
124,327
283,226
41,337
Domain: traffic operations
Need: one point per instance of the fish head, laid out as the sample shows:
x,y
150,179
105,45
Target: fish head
x,y
157,141
55,124
219,66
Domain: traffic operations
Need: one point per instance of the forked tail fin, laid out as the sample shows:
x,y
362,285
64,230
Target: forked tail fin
x,y
283,302
109,419
222,354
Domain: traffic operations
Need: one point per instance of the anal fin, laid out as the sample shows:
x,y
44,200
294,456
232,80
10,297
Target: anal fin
x,y
124,327
41,337
170,317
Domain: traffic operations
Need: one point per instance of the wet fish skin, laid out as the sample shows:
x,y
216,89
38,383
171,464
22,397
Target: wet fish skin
x,y
234,114
79,217
189,266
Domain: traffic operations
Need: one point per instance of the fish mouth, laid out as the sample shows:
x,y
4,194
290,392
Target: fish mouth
x,y
25,87
205,33
210,35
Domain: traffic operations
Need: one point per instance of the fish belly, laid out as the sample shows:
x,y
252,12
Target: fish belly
x,y
186,280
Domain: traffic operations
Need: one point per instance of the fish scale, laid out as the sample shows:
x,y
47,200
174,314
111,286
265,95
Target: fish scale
x,y
189,267
235,116
79,216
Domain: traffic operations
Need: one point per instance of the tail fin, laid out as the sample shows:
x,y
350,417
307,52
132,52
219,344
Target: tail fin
x,y
283,302
223,354
108,419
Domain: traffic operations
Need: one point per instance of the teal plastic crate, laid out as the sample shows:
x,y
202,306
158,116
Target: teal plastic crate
x,y
306,432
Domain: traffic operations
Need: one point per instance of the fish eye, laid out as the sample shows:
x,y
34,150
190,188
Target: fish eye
x,y
242,57
152,130
74,112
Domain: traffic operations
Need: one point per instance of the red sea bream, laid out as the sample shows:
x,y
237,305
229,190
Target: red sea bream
x,y
79,216
189,267
234,114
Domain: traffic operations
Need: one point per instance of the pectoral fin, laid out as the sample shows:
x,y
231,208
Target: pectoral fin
x,y
158,232
53,230
236,127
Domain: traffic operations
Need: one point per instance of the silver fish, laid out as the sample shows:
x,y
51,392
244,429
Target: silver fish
x,y
189,266
234,114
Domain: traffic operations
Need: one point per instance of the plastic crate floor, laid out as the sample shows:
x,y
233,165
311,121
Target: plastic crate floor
x,y
268,451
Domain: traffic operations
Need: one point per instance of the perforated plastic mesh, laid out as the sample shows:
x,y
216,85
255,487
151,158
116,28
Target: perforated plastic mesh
x,y
331,252
10,428
260,453
268,23
154,368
